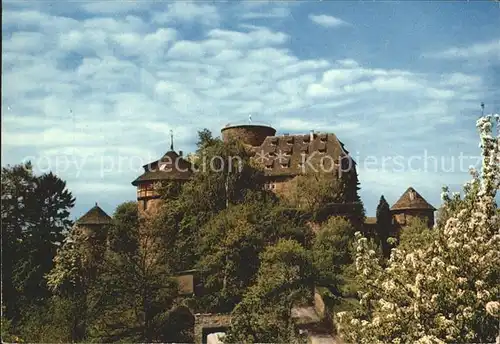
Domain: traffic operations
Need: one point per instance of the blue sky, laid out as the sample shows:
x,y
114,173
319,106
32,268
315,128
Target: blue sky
x,y
91,89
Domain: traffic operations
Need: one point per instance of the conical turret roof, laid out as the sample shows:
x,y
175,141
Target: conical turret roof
x,y
411,199
171,166
95,216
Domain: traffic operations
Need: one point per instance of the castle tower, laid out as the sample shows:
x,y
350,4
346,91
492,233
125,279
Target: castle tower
x,y
92,228
170,167
250,134
412,205
92,223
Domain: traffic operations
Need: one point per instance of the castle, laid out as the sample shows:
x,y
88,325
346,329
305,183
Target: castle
x,y
283,158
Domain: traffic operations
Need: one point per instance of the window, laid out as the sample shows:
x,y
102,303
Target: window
x,y
145,190
269,186
144,204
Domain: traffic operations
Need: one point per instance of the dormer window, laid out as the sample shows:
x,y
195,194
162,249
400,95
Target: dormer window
x,y
412,195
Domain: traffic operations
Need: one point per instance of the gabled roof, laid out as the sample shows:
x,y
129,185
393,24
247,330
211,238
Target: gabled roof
x,y
171,166
411,199
285,155
95,216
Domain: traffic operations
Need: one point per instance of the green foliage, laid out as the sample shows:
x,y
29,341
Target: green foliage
x,y
225,177
135,295
313,190
230,245
122,235
205,139
52,321
385,228
7,334
35,216
314,193
416,235
284,280
331,252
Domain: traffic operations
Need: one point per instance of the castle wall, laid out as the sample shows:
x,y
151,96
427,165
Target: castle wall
x,y
209,323
281,186
404,217
149,206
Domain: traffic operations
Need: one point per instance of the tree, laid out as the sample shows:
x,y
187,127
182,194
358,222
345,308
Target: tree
x,y
230,245
135,295
446,290
384,225
316,192
35,216
122,234
17,188
225,177
416,234
331,253
284,280
313,190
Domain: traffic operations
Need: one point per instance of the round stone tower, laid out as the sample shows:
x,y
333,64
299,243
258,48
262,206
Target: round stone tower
x,y
250,134
412,205
93,224
92,229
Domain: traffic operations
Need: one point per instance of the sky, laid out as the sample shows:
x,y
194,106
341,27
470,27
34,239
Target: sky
x,y
90,90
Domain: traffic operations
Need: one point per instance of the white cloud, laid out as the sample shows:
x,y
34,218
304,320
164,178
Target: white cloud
x,y
114,7
347,63
187,11
327,21
265,13
489,50
115,86
256,37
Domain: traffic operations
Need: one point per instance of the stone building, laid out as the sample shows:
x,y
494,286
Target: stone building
x,y
92,229
170,167
409,206
282,158
412,205
286,156
92,224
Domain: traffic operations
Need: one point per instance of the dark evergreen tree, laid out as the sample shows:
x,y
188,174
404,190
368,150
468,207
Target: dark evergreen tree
x,y
384,225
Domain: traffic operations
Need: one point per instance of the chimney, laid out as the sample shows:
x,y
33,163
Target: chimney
x,y
311,135
180,153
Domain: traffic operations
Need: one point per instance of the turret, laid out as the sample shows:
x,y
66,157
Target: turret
x,y
412,205
93,223
171,167
93,230
250,134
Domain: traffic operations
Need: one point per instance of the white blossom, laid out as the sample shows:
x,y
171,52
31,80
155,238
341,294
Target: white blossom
x,y
446,291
